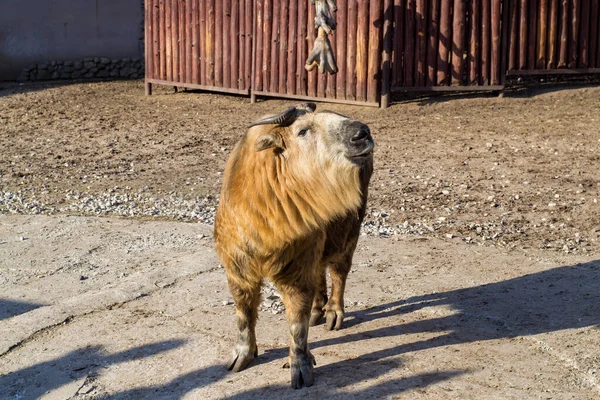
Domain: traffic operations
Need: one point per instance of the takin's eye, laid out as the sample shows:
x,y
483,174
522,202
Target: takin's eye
x,y
303,132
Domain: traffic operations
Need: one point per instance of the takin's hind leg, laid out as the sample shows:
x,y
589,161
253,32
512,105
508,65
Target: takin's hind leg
x,y
301,361
319,300
334,309
247,298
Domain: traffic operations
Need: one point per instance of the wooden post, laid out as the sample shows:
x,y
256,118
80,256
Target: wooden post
x,y
219,43
398,35
253,88
409,42
195,47
388,16
584,31
148,4
374,52
594,47
495,66
551,55
458,40
542,34
485,41
475,34
573,45
351,51
266,42
523,34
445,43
432,49
175,38
341,38
305,30
181,39
162,53
283,45
564,34
258,38
248,42
312,79
202,42
274,85
421,42
362,56
210,46
532,39
291,57
514,35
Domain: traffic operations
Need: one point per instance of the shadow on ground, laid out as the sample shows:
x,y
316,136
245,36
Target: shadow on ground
x,y
12,308
552,300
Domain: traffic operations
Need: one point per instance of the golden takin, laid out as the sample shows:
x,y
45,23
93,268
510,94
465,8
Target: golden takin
x,y
293,198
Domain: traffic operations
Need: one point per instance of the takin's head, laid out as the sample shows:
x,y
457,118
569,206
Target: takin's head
x,y
299,169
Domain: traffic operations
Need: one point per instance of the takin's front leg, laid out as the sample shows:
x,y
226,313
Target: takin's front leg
x,y
247,298
334,309
298,304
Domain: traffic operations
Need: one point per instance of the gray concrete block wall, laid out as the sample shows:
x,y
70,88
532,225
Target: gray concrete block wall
x,y
41,39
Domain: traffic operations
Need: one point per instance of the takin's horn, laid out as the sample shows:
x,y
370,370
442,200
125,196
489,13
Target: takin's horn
x,y
287,117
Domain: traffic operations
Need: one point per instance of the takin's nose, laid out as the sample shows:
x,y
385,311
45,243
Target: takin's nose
x,y
359,136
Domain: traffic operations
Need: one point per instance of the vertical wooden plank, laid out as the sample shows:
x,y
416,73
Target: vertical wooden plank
x,y
474,42
161,40
351,31
321,83
340,38
485,41
433,40
505,15
563,58
266,61
155,40
219,43
574,39
188,41
258,53
202,41
175,38
312,78
181,38
542,34
532,39
421,18
274,68
374,53
292,45
283,45
458,40
398,44
523,33
240,37
594,10
168,41
362,43
210,42
234,37
552,53
226,43
195,47
514,35
495,58
410,39
388,18
444,44
306,34
248,42
584,32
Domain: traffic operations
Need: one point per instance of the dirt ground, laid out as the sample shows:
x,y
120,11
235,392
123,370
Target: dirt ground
x,y
477,278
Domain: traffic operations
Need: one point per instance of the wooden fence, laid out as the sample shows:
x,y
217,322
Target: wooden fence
x,y
259,47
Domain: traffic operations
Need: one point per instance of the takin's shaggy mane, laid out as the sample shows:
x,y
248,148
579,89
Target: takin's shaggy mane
x,y
293,197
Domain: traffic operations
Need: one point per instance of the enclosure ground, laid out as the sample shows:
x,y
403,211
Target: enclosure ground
x,y
476,276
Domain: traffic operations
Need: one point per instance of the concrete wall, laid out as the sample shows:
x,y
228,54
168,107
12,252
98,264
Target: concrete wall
x,y
43,31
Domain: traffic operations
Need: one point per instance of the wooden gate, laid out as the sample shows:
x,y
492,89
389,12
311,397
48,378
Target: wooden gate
x,y
204,44
553,36
259,47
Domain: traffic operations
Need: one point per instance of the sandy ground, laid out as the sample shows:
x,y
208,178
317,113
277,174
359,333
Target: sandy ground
x,y
482,284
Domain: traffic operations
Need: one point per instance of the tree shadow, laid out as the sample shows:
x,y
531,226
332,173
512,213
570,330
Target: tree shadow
x,y
12,308
32,382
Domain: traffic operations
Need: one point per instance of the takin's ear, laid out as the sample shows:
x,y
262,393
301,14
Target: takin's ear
x,y
268,140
